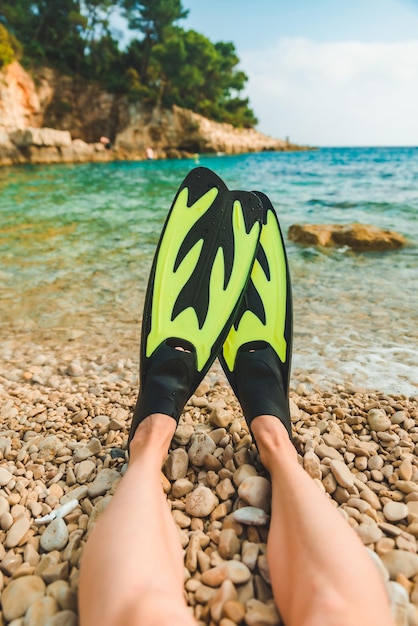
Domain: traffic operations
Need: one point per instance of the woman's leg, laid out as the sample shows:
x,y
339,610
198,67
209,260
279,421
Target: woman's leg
x,y
321,573
132,566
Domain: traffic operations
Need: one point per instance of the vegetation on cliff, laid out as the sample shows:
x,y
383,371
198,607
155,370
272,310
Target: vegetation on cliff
x,y
164,64
9,47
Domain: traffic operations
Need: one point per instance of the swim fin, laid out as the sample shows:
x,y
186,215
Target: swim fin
x,y
256,355
198,278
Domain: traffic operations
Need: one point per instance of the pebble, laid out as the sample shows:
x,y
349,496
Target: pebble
x,y
312,465
41,611
6,521
241,473
65,597
55,572
333,441
225,593
263,567
324,451
84,452
250,552
20,594
395,511
103,482
181,487
229,544
63,618
399,602
74,494
204,593
260,614
201,502
176,464
378,420
67,442
400,562
49,447
221,418
256,491
55,537
96,511
201,445
251,516
17,532
183,434
4,504
5,476
235,571
369,533
342,474
85,471
405,470
10,563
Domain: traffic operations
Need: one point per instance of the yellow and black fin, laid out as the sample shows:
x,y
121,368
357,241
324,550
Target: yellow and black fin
x,y
198,277
256,355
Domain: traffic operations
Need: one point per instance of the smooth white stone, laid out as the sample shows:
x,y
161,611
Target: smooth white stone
x,y
55,536
251,516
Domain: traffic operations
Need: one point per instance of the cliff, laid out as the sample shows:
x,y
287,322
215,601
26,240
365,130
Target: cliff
x,y
50,118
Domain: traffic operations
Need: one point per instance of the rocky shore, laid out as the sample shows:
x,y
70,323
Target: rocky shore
x,y
51,118
65,414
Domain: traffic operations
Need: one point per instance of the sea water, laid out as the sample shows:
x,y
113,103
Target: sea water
x,y
77,241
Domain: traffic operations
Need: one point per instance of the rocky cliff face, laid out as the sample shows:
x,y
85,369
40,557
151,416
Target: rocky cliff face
x,y
47,102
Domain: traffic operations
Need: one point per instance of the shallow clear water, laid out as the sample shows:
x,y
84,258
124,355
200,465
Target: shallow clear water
x,y
76,244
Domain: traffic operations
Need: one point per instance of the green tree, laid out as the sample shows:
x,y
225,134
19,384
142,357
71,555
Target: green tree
x,y
61,33
165,65
196,74
49,30
105,63
152,18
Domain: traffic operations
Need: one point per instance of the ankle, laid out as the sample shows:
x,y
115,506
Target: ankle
x,y
272,440
153,435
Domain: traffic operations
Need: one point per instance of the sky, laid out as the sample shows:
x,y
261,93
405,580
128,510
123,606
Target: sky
x,y
323,72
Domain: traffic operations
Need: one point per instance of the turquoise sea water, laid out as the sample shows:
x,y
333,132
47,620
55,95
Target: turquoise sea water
x,y
76,244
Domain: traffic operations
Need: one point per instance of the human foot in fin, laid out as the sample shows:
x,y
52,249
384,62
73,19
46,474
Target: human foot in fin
x,y
256,355
198,277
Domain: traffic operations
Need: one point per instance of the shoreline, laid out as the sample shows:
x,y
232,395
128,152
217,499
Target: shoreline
x,y
80,152
66,413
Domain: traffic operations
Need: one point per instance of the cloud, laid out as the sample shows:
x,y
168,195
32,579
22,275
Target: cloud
x,y
336,93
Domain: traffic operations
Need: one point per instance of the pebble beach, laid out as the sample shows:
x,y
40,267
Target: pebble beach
x,y
76,246
65,409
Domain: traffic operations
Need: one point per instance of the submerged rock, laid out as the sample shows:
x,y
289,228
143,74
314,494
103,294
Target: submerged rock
x,y
358,237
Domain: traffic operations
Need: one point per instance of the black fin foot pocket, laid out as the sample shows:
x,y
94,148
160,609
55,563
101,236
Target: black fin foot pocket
x,y
168,383
259,385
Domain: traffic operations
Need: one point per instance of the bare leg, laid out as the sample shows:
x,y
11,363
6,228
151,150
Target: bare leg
x,y
132,565
321,574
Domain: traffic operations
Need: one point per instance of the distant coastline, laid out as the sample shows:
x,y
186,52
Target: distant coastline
x,y
49,118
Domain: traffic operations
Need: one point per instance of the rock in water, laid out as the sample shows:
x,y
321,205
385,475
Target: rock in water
x,y
358,237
